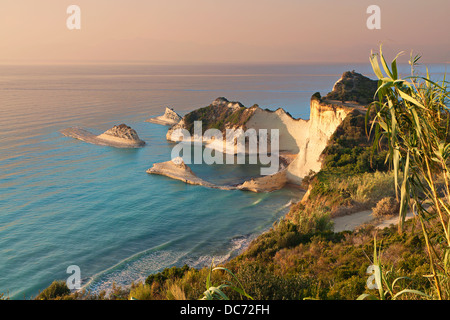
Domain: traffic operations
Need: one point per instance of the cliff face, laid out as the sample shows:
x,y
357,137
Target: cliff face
x,y
323,122
305,138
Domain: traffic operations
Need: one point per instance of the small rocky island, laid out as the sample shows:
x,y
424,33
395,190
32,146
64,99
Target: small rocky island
x,y
169,118
119,136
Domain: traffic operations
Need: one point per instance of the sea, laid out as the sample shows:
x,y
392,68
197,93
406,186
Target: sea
x,y
64,202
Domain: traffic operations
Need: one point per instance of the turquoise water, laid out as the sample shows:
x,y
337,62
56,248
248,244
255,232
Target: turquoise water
x,y
65,202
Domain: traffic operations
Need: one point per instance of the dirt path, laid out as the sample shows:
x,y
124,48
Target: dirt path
x,y
352,221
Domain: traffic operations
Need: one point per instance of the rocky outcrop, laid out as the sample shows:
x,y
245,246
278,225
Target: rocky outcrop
x,y
120,136
323,122
169,118
268,183
122,131
302,141
178,170
304,138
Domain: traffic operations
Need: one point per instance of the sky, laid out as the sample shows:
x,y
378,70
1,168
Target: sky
x,y
220,31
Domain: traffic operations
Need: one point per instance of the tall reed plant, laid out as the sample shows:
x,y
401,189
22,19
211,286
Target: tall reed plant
x,y
413,115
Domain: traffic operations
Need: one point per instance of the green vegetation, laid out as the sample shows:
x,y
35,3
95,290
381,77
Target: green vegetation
x,y
216,292
218,116
412,114
353,177
286,263
167,274
353,87
56,290
386,207
387,282
350,151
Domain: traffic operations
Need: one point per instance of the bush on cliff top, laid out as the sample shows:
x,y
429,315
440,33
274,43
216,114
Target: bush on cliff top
x,y
217,117
56,290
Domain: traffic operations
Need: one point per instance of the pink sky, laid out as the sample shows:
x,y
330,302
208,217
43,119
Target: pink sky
x,y
209,31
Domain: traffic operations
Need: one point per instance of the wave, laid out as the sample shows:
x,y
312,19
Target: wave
x,y
137,268
257,201
131,269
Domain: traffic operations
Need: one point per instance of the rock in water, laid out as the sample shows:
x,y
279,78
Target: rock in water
x,y
177,169
169,114
169,118
122,134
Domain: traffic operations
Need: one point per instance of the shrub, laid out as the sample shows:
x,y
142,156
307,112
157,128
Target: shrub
x,y
168,273
141,291
386,207
174,292
57,289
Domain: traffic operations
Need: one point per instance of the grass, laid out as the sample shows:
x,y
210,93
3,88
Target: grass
x,y
341,194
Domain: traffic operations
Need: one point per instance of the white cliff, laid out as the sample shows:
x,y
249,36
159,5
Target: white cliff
x,y
301,142
305,138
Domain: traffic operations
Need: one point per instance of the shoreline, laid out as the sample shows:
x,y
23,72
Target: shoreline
x,y
202,261
233,252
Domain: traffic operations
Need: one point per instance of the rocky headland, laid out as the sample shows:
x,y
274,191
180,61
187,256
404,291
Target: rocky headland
x,y
354,87
301,142
119,136
178,170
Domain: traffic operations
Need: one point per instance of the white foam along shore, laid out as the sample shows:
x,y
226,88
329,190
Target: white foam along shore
x,y
120,136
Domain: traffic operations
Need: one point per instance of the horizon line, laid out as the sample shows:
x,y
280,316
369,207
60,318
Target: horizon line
x,y
192,63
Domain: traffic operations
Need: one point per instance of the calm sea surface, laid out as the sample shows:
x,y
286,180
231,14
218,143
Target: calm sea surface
x,y
65,202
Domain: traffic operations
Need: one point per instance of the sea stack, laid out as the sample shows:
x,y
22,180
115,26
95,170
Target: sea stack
x,y
122,134
170,118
